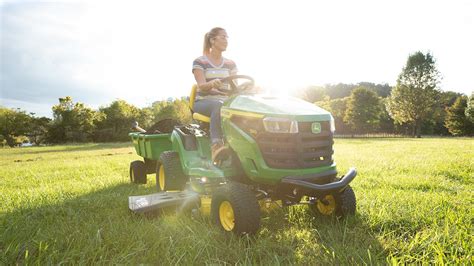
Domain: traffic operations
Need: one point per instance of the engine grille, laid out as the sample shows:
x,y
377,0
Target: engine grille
x,y
292,151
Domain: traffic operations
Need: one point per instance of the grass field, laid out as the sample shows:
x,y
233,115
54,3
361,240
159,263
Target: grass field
x,y
69,204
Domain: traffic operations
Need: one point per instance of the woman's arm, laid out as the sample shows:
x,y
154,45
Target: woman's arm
x,y
201,81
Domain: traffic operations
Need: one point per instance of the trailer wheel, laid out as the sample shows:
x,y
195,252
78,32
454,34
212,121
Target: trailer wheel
x,y
169,173
137,172
234,208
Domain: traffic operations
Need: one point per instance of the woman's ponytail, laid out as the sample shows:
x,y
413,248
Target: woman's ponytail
x,y
207,39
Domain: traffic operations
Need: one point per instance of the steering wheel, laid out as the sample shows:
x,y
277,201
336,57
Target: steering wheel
x,y
249,84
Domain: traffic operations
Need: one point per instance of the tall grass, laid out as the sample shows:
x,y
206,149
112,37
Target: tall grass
x,y
69,204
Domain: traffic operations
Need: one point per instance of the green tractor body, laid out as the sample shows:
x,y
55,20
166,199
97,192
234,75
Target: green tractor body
x,y
258,129
282,150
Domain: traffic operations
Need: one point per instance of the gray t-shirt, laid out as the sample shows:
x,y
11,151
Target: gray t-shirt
x,y
225,69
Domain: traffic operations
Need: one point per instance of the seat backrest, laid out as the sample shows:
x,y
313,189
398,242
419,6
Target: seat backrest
x,y
192,97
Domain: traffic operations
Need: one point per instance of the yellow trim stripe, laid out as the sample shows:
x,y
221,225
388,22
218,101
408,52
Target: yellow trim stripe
x,y
201,117
227,113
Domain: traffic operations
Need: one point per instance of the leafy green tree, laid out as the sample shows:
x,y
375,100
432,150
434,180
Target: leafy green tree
x,y
119,116
382,90
176,109
39,129
470,108
14,123
435,125
337,107
364,109
414,97
72,122
63,122
145,117
312,94
457,122
339,90
386,124
3,141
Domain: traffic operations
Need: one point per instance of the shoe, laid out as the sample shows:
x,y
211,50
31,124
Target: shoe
x,y
219,152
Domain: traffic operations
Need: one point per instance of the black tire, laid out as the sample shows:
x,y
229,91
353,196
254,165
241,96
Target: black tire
x,y
244,216
138,172
346,203
169,173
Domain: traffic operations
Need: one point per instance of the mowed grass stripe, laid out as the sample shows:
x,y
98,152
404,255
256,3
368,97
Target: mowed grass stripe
x,y
69,204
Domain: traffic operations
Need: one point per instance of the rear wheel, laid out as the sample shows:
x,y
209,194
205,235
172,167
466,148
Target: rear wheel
x,y
137,172
169,173
234,208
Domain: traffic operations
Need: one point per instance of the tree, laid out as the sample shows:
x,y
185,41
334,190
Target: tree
x,y
456,121
72,122
339,90
414,97
436,124
337,107
177,110
386,124
470,108
312,94
39,129
3,141
119,116
382,90
14,123
364,109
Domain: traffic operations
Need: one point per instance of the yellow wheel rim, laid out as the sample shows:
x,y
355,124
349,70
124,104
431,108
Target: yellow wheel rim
x,y
226,216
329,208
161,177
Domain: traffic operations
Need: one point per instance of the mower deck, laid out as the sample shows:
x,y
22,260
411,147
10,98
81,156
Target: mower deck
x,y
156,201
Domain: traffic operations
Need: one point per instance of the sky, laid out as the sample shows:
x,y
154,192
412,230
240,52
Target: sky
x,y
142,51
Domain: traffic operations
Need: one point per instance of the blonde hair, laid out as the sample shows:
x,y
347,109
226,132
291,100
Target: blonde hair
x,y
207,39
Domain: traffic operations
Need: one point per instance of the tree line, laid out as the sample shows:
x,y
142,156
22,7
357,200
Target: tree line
x,y
413,107
75,122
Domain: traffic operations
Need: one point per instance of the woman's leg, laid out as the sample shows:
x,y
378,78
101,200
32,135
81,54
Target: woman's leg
x,y
211,108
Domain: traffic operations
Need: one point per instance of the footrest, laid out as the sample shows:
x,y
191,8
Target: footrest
x,y
152,202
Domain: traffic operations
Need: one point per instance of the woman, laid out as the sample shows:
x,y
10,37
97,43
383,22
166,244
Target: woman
x,y
208,71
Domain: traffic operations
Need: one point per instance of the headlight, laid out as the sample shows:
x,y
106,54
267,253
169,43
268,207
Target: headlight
x,y
280,125
332,125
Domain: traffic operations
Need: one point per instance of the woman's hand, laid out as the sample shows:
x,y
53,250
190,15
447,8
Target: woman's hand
x,y
215,83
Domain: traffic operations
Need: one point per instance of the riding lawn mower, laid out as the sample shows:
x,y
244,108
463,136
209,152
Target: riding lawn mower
x,y
280,150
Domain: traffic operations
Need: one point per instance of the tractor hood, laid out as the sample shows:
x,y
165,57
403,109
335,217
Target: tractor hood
x,y
279,107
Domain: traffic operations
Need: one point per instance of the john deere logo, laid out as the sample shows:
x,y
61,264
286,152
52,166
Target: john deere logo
x,y
316,128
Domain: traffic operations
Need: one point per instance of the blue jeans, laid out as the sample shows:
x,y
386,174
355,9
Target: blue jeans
x,y
211,108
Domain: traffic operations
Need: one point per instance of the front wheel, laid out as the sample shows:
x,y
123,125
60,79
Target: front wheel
x,y
234,208
346,203
342,204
